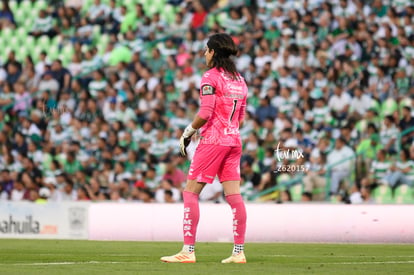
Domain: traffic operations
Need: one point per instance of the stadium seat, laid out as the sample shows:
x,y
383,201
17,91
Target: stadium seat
x,y
20,17
21,34
53,52
28,24
7,34
375,105
35,52
86,5
55,41
43,42
65,59
128,3
382,194
13,6
388,107
40,4
14,42
67,50
403,194
406,101
30,42
168,14
21,53
296,192
33,14
222,18
26,6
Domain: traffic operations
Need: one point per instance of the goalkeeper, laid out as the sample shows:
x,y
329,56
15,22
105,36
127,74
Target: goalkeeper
x,y
223,94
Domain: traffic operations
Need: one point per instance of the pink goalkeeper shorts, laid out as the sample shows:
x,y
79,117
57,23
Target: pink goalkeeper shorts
x,y
210,160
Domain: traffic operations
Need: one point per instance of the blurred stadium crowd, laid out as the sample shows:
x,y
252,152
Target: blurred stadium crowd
x,y
94,96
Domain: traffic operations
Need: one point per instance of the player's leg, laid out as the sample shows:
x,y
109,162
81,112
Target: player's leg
x,y
229,175
191,213
190,223
203,169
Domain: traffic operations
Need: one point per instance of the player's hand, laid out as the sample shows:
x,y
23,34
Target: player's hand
x,y
186,139
183,145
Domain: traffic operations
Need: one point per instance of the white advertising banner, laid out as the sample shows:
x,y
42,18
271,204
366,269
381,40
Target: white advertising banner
x,y
333,223
28,220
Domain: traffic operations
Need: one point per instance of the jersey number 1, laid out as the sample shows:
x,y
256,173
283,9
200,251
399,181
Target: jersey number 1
x,y
233,110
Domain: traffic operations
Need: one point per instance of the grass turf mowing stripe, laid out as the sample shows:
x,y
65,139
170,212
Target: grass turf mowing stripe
x,y
107,257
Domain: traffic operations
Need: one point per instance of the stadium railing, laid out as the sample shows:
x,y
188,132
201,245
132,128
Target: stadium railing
x,y
400,136
263,195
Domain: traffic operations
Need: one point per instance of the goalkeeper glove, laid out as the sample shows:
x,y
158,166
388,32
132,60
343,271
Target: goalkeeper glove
x,y
186,139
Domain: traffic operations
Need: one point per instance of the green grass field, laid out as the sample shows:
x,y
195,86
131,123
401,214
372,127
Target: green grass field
x,y
92,257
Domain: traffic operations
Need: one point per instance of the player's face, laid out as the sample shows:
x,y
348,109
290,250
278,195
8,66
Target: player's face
x,y
208,54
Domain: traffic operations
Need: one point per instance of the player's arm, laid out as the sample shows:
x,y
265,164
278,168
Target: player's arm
x,y
208,101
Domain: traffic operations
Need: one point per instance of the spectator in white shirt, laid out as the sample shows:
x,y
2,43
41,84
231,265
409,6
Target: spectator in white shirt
x,y
389,133
43,25
360,103
167,185
68,193
98,13
18,191
339,103
340,160
83,34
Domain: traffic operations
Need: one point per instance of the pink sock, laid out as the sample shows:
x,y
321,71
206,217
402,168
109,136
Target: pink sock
x,y
239,217
191,217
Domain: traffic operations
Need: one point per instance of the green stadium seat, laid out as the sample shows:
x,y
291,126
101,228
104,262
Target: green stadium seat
x,y
53,52
55,41
14,42
383,194
221,18
28,25
40,4
7,34
406,101
20,17
21,53
388,107
21,34
65,59
13,6
35,52
403,194
44,42
211,19
128,3
96,33
375,105
67,50
151,9
168,14
33,14
86,5
30,42
296,192
26,6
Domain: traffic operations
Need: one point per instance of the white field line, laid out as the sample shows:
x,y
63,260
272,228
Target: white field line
x,y
70,263
336,256
377,262
97,262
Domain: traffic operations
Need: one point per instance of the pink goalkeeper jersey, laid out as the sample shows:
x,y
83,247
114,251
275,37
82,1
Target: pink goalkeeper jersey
x,y
223,105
